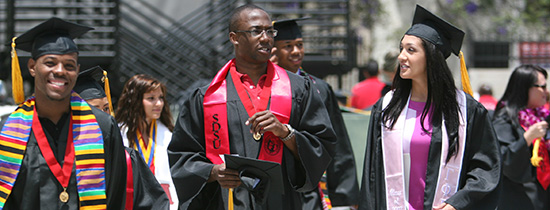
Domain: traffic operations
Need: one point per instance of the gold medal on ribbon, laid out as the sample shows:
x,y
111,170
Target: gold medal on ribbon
x,y
64,196
257,136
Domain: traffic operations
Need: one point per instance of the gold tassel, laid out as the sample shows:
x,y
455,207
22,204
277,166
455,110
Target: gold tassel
x,y
108,92
230,199
16,79
536,159
464,74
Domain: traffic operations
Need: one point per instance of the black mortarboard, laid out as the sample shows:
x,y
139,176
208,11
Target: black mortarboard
x,y
446,37
88,84
288,29
437,31
53,36
259,177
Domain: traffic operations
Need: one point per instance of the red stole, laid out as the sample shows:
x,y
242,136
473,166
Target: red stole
x,y
543,171
215,113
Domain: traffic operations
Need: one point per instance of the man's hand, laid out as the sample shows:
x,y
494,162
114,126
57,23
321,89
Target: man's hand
x,y
227,178
444,206
264,121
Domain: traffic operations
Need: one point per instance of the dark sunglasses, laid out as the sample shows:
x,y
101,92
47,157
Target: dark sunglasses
x,y
542,86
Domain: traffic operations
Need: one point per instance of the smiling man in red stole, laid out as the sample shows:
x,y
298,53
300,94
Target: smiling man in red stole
x,y
253,109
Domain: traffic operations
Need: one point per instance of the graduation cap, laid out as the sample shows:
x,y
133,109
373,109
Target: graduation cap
x,y
53,36
288,29
259,177
445,36
437,31
88,85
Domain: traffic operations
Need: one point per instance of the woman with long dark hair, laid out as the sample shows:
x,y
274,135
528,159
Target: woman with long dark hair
x,y
146,125
520,126
429,145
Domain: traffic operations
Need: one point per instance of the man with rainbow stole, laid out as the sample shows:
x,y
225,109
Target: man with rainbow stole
x,y
56,151
255,109
338,185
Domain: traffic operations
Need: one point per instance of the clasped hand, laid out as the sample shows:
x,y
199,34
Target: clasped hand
x,y
227,178
536,130
265,121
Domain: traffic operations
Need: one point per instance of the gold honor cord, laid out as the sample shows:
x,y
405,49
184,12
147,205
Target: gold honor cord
x,y
108,93
464,74
16,79
230,199
536,159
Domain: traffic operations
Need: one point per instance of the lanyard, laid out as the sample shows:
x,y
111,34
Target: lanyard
x,y
148,152
61,174
245,98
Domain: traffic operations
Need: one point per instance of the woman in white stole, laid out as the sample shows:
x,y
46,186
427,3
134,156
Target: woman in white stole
x,y
429,145
146,125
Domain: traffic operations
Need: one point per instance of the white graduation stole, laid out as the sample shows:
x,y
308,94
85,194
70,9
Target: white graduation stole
x,y
392,153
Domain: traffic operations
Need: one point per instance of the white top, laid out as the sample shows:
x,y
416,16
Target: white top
x,y
162,166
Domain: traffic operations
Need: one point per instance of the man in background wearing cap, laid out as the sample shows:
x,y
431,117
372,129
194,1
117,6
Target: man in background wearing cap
x,y
340,187
429,144
89,88
253,109
143,191
56,151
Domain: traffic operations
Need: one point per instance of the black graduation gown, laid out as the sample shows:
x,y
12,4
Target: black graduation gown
x,y
479,178
190,168
148,194
520,187
37,188
342,185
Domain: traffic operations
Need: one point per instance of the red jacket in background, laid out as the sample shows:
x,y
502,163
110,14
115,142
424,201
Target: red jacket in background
x,y
366,93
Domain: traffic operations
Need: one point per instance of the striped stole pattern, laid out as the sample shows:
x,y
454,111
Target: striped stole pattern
x,y
13,142
88,145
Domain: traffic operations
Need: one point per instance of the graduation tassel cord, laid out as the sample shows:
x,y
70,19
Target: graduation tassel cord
x,y
536,159
16,79
540,159
108,93
464,74
230,199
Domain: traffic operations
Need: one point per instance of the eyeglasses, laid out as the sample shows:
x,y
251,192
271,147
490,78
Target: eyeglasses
x,y
541,86
257,32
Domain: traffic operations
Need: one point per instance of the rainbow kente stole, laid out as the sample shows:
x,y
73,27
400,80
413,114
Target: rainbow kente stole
x,y
88,146
215,114
147,151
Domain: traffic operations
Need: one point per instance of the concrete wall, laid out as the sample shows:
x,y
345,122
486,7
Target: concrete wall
x,y
177,9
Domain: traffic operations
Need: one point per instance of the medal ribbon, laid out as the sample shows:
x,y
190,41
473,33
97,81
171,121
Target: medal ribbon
x,y
61,174
148,152
245,98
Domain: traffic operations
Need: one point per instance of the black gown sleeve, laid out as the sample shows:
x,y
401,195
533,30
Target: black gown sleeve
x,y
516,155
115,161
372,194
342,185
315,138
481,168
187,154
148,194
